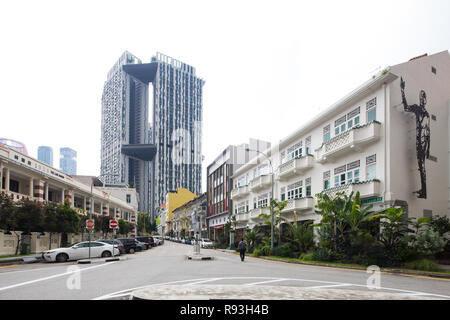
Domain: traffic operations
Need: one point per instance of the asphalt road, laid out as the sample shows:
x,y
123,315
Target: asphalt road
x,y
168,264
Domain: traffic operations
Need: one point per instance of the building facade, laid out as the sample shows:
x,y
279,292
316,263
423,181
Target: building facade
x,y
68,161
387,139
189,219
13,144
175,96
25,178
219,183
45,154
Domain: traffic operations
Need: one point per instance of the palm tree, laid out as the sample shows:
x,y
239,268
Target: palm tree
x,y
277,218
302,235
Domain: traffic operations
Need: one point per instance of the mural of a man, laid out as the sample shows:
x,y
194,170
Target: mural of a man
x,y
422,135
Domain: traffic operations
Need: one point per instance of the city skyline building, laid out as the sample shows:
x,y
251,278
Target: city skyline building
x,y
220,183
68,161
172,137
45,154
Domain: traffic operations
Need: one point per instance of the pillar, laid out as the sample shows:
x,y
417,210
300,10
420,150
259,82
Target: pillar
x,y
105,210
38,191
62,195
46,191
6,179
1,176
31,189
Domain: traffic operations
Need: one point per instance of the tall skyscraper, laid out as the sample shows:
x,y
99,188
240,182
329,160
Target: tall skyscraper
x,y
176,99
68,160
45,154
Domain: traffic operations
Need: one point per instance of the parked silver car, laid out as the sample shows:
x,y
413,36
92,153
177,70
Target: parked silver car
x,y
81,251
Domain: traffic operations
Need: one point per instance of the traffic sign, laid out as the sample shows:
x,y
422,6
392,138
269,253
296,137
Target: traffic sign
x,y
113,224
90,224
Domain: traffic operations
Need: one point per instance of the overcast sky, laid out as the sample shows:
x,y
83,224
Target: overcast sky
x,y
269,67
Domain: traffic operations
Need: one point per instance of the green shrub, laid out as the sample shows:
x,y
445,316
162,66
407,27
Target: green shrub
x,y
307,256
424,265
257,252
285,250
429,242
323,254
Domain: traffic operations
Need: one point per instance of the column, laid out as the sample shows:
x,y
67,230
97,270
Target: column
x,y
38,191
62,195
46,191
84,203
104,209
1,176
133,222
7,179
30,191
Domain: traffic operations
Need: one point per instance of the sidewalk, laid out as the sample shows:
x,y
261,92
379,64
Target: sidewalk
x,y
405,272
32,258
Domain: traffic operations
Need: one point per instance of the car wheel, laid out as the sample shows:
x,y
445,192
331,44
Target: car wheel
x,y
106,254
62,257
131,251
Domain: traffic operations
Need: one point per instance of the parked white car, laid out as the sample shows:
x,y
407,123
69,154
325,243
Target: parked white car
x,y
158,240
206,243
81,251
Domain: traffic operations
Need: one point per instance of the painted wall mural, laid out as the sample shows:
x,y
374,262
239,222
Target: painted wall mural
x,y
422,135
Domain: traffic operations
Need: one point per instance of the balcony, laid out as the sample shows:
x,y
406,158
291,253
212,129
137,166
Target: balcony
x,y
298,205
242,217
254,214
260,183
366,189
295,167
240,192
351,140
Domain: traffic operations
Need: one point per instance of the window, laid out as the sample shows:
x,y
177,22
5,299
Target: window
x,y
353,172
326,134
308,187
353,118
283,194
128,198
294,151
263,200
339,176
295,190
371,167
308,145
371,108
339,125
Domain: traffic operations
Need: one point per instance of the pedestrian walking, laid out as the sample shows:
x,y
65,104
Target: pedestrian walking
x,y
242,248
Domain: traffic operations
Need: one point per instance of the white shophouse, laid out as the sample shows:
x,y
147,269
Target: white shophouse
x,y
365,142
25,178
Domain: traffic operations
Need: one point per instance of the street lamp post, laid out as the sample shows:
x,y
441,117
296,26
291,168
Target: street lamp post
x,y
271,197
114,230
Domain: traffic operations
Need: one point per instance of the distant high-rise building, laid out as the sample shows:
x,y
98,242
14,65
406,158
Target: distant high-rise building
x,y
45,154
129,142
68,161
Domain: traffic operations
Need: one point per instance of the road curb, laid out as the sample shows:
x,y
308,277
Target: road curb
x,y
20,260
387,270
89,261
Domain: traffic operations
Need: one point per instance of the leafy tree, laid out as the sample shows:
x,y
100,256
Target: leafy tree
x,y
8,216
440,224
302,235
429,242
394,228
124,227
250,237
278,206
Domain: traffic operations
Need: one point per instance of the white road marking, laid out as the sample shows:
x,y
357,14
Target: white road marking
x,y
261,282
54,276
329,286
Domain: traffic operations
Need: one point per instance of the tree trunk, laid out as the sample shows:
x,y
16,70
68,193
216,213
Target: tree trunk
x,y
50,241
18,242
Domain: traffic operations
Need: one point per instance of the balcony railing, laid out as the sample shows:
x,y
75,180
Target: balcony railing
x,y
260,183
242,217
240,192
366,189
351,140
298,205
254,214
295,167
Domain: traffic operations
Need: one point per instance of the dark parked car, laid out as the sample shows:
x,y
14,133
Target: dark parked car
x,y
141,245
116,242
129,243
189,240
147,239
